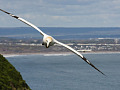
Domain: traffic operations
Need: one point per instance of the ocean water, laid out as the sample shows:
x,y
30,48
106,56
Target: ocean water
x,y
69,72
62,32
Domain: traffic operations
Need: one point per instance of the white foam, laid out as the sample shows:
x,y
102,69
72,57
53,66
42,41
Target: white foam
x,y
11,55
56,54
36,54
102,53
14,55
64,54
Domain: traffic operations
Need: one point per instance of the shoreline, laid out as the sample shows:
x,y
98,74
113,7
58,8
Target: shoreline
x,y
56,53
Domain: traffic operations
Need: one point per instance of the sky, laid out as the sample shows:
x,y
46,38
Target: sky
x,y
61,13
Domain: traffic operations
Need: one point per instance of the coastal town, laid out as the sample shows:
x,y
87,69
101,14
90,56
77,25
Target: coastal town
x,y
18,46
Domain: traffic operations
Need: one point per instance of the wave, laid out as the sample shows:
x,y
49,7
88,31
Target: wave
x,y
15,55
56,54
11,55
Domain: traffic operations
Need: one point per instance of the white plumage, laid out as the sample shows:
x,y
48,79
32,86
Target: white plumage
x,y
50,41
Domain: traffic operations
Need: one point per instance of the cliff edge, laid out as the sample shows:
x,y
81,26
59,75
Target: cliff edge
x,y
10,78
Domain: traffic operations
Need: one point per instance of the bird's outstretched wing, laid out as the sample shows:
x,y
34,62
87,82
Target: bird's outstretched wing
x,y
77,53
26,22
42,33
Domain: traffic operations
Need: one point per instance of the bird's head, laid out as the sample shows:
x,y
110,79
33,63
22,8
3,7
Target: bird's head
x,y
48,41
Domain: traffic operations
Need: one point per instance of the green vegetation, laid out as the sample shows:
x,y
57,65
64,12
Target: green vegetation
x,y
10,78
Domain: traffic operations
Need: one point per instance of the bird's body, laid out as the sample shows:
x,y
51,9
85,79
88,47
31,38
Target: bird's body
x,y
50,41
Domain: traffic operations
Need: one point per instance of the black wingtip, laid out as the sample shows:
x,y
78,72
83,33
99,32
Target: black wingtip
x,y
102,73
10,14
97,69
4,11
92,65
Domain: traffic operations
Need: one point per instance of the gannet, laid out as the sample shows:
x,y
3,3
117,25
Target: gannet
x,y
50,41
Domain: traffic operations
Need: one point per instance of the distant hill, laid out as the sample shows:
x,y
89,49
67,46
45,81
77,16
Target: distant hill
x,y
10,78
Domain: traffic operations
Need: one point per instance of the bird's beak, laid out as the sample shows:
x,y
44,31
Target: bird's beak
x,y
48,44
48,41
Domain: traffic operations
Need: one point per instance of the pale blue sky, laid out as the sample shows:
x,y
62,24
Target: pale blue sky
x,y
62,13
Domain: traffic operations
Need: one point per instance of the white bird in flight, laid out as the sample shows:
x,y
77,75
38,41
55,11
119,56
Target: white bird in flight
x,y
50,41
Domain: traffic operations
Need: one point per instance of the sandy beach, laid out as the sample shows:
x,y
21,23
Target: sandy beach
x,y
55,53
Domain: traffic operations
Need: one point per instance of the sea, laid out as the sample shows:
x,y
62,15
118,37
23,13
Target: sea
x,y
68,71
67,33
